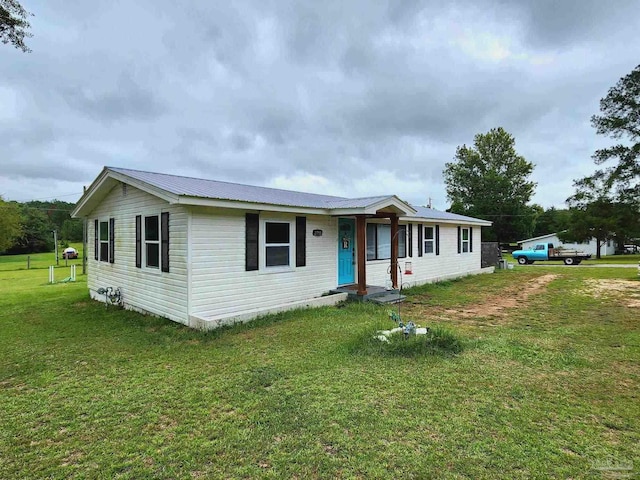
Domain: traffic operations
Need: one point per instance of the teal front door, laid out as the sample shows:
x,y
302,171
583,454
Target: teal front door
x,y
346,257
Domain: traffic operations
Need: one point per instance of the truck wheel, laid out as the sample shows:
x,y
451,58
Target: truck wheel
x,y
522,260
568,261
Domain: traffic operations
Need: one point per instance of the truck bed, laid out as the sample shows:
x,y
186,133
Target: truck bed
x,y
565,252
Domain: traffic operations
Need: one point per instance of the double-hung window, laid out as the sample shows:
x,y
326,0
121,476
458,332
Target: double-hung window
x,y
277,244
379,241
152,241
429,240
104,241
465,240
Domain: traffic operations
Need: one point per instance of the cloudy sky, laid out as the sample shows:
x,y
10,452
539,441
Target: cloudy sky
x,y
350,98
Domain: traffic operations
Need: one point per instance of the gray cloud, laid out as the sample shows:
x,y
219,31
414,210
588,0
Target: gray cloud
x,y
349,92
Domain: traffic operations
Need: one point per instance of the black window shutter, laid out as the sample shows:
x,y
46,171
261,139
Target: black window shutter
x,y
459,241
301,241
164,240
437,239
252,226
411,239
112,238
95,239
138,241
420,246
471,239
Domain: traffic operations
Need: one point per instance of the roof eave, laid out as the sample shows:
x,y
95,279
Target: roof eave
x,y
101,186
243,205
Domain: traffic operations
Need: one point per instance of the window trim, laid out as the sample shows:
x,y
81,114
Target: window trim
x,y
463,241
145,242
262,242
431,240
375,240
108,242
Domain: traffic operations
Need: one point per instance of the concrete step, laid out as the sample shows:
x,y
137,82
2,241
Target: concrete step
x,y
388,298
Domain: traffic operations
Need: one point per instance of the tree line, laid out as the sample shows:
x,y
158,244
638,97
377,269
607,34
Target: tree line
x,y
28,227
489,180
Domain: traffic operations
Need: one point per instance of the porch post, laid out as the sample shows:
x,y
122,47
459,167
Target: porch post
x,y
394,250
361,235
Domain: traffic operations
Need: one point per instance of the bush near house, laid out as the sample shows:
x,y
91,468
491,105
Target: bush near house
x,y
546,388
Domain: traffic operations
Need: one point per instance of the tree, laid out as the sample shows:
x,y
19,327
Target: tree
x,y
71,230
36,235
595,214
14,24
552,220
491,181
620,119
9,224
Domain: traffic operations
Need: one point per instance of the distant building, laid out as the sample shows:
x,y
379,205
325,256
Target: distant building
x,y
608,248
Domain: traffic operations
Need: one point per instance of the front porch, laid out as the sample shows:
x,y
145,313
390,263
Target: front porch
x,y
374,293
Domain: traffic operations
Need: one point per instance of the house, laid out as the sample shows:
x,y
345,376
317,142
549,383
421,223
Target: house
x,y
205,253
608,248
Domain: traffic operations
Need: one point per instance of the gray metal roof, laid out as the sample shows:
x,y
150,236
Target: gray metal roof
x,y
431,214
199,187
213,189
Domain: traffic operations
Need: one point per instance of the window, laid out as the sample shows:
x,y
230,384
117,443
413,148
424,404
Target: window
x,y
540,247
152,241
277,244
104,241
379,241
429,240
465,240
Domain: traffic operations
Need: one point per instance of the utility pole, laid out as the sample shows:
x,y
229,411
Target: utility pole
x,y
55,242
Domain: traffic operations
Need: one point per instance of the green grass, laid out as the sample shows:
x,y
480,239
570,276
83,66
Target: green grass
x,y
615,259
550,390
39,260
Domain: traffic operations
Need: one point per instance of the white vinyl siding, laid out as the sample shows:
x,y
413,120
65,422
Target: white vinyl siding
x,y
432,268
146,290
221,285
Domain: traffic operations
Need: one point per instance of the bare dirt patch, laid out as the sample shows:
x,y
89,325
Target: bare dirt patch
x,y
625,291
493,306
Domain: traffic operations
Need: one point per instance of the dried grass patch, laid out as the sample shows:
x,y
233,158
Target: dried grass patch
x,y
496,306
627,291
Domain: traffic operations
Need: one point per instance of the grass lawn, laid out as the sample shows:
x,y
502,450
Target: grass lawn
x,y
614,259
40,260
547,386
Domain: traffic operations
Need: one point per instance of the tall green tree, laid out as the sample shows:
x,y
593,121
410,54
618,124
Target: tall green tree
x,y
620,120
596,213
491,181
14,25
10,226
37,232
552,220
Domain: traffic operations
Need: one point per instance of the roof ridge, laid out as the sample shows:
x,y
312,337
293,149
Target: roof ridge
x,y
229,183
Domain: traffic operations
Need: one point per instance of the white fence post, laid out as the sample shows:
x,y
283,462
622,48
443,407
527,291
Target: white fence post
x,y
73,273
51,275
